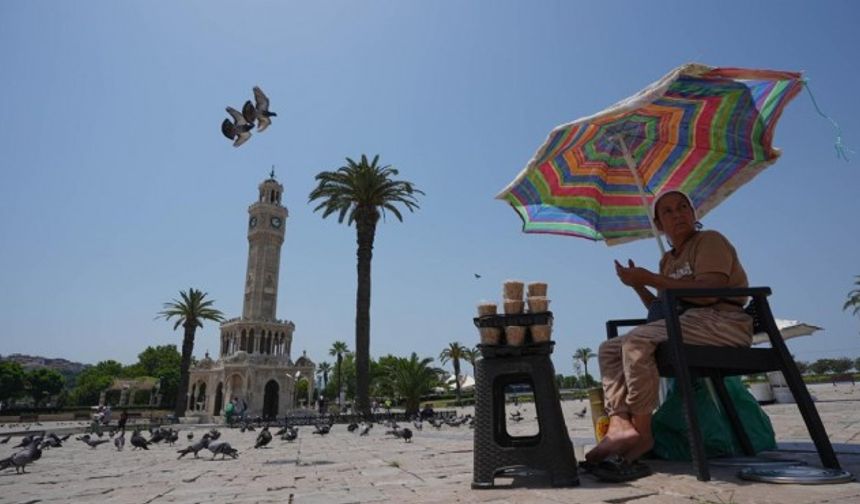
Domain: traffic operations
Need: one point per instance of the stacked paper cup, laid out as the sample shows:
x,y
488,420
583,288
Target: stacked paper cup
x,y
489,335
539,303
513,300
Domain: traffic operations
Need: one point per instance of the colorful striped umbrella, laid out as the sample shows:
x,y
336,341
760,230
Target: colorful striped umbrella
x,y
703,130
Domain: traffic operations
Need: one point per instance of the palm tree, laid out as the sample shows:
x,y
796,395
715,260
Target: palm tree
x,y
323,369
337,349
361,193
190,312
584,355
471,355
853,300
454,353
410,379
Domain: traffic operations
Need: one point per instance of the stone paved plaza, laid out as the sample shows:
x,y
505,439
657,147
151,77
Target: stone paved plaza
x,y
436,467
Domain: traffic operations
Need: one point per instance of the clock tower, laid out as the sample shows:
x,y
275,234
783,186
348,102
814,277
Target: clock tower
x,y
267,218
254,363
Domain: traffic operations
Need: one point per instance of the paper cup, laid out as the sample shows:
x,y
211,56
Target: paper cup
x,y
491,335
485,309
540,333
513,289
537,289
515,335
538,304
513,306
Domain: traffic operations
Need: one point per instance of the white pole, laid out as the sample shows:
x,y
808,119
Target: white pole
x,y
631,165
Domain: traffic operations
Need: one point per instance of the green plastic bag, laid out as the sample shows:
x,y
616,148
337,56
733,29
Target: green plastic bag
x,y
669,425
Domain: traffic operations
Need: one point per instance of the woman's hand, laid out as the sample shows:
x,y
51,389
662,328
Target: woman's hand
x,y
632,275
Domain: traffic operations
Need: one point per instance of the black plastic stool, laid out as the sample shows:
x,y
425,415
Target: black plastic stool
x,y
495,451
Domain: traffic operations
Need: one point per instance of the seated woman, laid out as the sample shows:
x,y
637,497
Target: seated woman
x,y
698,259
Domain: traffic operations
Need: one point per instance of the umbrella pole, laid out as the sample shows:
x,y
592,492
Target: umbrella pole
x,y
631,165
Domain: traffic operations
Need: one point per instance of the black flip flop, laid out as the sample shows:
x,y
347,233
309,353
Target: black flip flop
x,y
617,470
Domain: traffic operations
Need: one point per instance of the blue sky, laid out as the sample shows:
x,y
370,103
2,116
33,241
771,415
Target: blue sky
x,y
117,189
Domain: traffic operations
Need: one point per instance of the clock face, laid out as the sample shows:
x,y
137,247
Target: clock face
x,y
276,222
253,222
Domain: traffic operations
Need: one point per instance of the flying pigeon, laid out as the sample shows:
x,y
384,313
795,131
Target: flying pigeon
x,y
477,275
260,111
238,130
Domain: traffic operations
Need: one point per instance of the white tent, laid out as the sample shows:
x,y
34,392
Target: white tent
x,y
789,329
466,382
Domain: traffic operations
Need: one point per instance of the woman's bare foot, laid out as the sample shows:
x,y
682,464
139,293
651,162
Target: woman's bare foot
x,y
621,437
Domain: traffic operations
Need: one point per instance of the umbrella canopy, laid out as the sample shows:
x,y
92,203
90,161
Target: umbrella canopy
x,y
703,130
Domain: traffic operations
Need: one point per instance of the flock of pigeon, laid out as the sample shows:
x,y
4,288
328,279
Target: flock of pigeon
x,y
32,445
239,129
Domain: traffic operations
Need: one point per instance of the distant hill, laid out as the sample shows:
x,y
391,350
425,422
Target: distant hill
x,y
29,362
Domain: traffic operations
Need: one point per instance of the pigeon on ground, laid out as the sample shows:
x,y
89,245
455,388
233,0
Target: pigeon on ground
x,y
52,441
581,413
66,437
194,448
171,437
138,441
322,429
290,434
418,424
406,434
261,110
20,459
352,427
264,438
223,448
365,429
25,441
190,436
93,443
6,439
214,434
119,441
238,130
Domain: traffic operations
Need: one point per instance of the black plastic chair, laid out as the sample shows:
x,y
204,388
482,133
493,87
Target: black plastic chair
x,y
685,362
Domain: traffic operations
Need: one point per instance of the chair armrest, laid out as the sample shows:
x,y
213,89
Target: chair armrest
x,y
672,295
613,325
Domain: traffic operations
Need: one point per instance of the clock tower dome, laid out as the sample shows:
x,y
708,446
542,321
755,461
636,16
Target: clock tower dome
x,y
267,219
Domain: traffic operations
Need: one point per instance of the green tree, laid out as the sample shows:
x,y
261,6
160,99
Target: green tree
x,y
841,365
43,383
802,367
412,378
12,381
853,298
583,355
323,369
190,311
454,352
93,380
472,355
361,193
821,366
338,350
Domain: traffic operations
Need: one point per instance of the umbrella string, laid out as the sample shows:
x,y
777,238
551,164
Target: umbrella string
x,y
841,150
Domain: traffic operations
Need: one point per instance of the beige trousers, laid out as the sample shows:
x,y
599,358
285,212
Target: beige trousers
x,y
627,366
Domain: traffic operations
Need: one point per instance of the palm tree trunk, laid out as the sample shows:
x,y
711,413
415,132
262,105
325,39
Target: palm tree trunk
x,y
184,365
457,378
366,231
337,392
